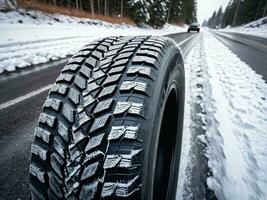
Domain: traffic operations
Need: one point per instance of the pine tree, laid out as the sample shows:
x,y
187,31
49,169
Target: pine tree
x,y
159,13
229,13
189,8
219,18
139,10
175,11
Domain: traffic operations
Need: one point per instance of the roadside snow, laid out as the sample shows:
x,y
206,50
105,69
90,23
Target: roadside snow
x,y
193,165
33,37
257,28
237,125
234,99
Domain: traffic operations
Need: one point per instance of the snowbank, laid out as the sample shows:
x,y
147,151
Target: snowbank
x,y
257,28
33,37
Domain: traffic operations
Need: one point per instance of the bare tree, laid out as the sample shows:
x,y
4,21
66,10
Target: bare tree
x,y
92,7
105,8
121,8
68,3
98,6
264,10
77,4
81,5
54,3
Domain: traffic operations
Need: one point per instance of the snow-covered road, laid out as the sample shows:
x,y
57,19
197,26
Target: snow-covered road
x,y
233,118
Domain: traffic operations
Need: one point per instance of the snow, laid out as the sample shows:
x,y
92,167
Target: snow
x,y
234,98
237,120
33,37
257,28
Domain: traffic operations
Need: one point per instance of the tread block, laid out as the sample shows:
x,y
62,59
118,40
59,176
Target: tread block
x,y
59,146
88,100
61,89
80,82
47,119
124,55
65,77
89,157
83,53
106,91
74,95
120,62
89,170
153,54
74,171
151,48
112,79
86,71
43,134
98,74
115,70
63,131
91,62
37,171
54,183
129,132
94,142
106,61
52,103
133,70
144,59
83,118
100,122
40,150
112,161
120,188
91,87
121,160
128,49
89,191
103,48
71,67
103,106
56,164
77,60
68,112
97,53
134,85
123,107
110,53
79,140
116,46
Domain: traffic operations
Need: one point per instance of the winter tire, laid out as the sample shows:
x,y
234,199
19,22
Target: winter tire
x,y
111,126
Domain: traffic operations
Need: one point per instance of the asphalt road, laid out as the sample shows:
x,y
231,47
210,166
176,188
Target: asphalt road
x,y
18,118
250,49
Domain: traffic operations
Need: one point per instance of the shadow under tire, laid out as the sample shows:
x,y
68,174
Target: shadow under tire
x,y
111,126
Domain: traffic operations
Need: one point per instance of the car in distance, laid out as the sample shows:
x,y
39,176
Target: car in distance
x,y
193,27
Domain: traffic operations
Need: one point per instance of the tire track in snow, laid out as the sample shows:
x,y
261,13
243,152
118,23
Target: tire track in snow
x,y
194,169
236,125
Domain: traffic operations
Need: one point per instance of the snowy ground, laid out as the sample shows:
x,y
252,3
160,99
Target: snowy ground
x,y
32,37
257,28
233,99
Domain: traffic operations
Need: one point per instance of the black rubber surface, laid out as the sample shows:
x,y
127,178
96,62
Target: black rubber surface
x,y
98,132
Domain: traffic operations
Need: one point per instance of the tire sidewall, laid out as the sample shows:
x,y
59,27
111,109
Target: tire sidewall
x,y
170,70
